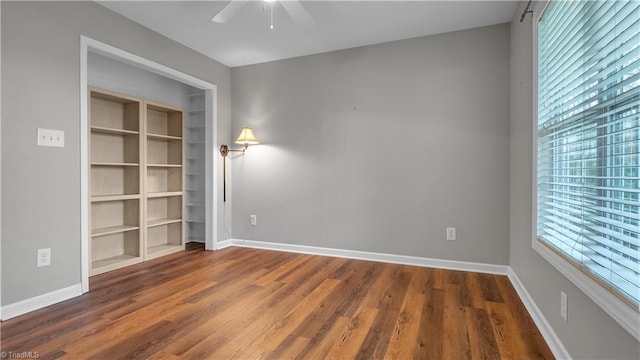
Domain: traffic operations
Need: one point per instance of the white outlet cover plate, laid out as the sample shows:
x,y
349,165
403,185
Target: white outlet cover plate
x,y
49,137
451,233
44,257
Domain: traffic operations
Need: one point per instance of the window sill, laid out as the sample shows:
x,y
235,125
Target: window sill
x,y
621,312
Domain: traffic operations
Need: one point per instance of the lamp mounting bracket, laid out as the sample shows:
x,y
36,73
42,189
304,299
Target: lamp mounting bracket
x,y
224,149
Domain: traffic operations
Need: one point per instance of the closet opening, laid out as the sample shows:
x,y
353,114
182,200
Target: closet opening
x,y
113,70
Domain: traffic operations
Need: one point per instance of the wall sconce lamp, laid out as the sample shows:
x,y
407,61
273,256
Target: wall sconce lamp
x,y
246,138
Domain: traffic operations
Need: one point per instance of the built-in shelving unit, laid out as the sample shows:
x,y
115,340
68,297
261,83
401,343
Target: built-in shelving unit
x,y
164,180
136,190
195,158
116,209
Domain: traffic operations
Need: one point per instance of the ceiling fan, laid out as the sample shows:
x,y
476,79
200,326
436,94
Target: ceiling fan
x,y
293,7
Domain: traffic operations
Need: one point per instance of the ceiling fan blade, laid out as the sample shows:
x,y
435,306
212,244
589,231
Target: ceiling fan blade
x,y
298,13
228,11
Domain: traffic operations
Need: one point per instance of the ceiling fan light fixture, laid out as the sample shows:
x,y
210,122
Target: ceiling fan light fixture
x,y
293,8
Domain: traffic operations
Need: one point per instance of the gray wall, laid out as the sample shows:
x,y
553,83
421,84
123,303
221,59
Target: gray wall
x,y
110,74
40,88
589,333
380,148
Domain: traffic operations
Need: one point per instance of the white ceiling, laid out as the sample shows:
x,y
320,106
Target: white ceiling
x,y
246,38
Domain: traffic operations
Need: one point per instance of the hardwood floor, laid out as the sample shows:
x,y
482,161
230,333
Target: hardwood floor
x,y
248,304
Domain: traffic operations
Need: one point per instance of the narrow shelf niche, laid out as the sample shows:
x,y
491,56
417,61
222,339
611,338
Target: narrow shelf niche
x,y
163,120
164,151
114,216
114,112
164,238
162,210
164,179
110,251
119,148
114,180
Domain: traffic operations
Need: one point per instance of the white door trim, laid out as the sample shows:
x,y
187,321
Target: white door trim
x,y
211,117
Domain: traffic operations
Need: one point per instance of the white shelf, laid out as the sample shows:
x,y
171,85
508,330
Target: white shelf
x,y
112,263
164,194
163,137
164,221
114,197
113,230
165,165
110,130
164,249
113,164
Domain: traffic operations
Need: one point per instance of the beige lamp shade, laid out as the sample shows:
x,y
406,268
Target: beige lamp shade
x,y
247,137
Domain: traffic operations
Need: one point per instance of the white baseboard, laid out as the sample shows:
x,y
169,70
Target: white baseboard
x,y
223,244
371,256
40,301
558,350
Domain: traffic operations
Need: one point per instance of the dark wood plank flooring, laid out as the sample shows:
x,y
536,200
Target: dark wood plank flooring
x,y
255,304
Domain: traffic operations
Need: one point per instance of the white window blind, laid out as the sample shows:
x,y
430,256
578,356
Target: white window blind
x,y
588,181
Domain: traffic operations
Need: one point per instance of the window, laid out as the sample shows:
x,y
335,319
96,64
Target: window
x,y
588,141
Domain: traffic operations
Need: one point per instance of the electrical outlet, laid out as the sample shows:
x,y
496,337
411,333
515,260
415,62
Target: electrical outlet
x,y
44,257
253,219
48,137
563,305
451,233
